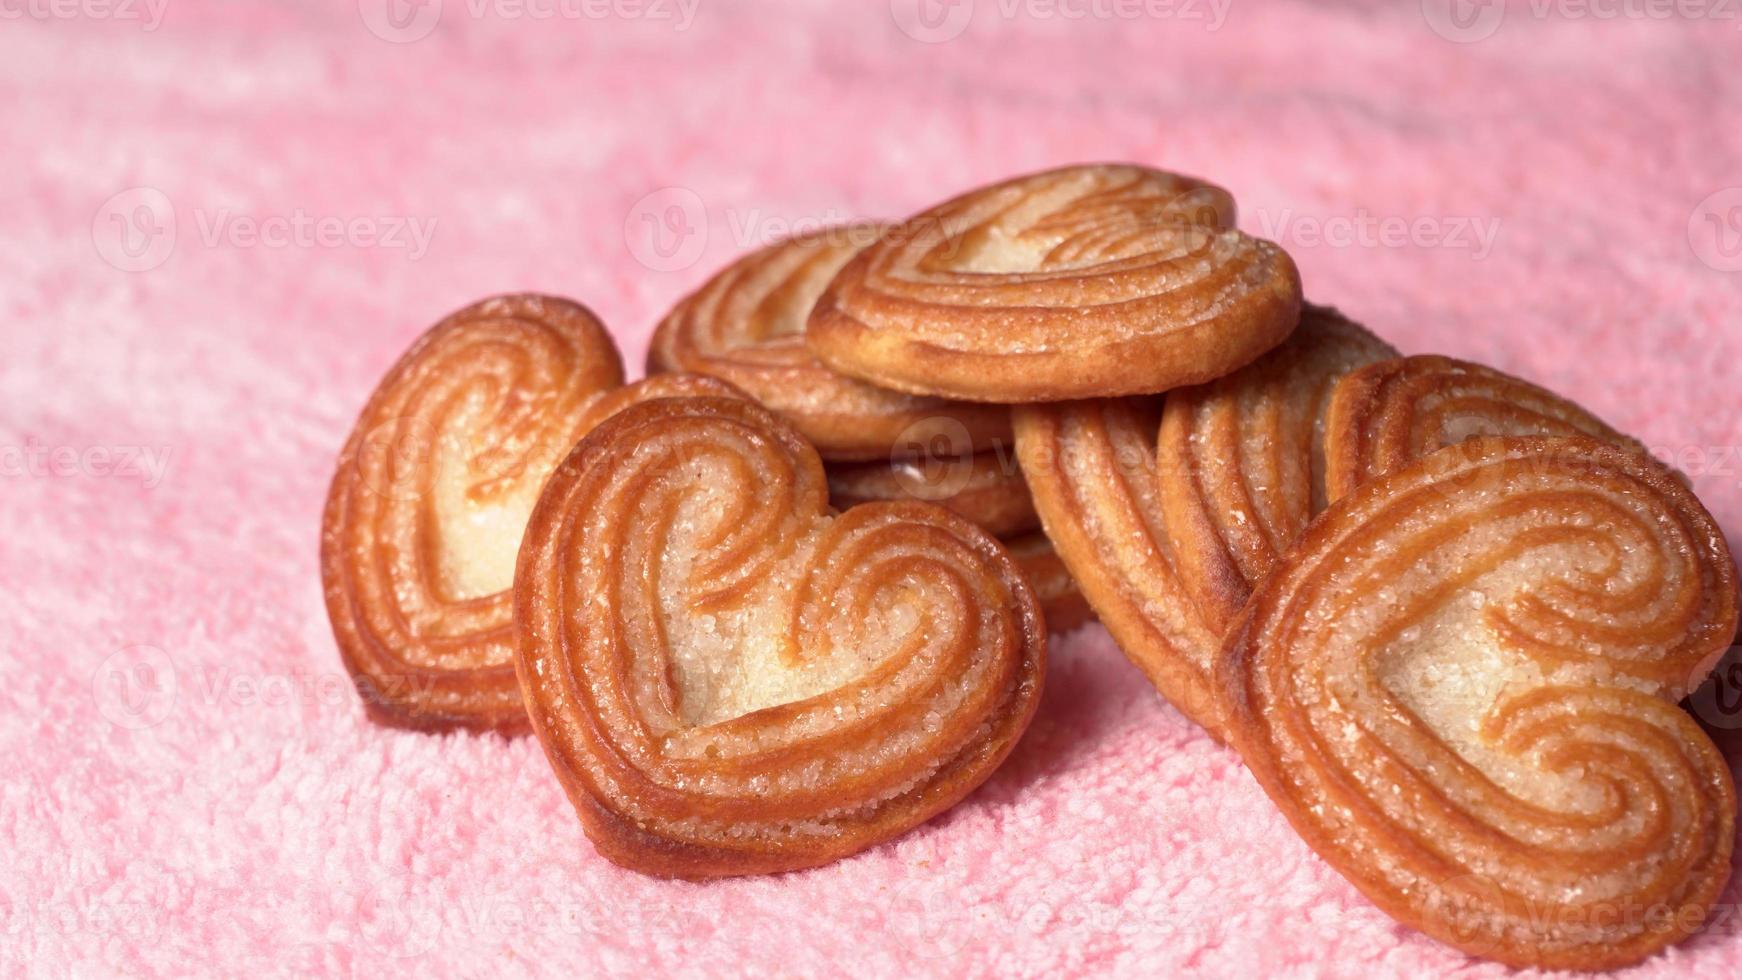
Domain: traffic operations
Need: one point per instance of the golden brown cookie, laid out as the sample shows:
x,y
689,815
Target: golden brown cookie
x,y
986,488
1085,281
730,680
1460,688
432,491
1090,466
1241,459
746,325
1060,599
1387,415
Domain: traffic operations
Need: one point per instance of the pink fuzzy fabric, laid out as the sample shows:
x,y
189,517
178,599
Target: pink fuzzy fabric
x,y
190,786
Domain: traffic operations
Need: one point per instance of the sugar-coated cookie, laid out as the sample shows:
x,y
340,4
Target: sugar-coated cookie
x,y
729,679
746,325
1241,459
1090,466
1461,687
1080,282
1387,415
432,491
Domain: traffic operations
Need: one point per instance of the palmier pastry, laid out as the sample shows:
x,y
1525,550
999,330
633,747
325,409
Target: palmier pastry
x,y
1090,466
1060,599
986,488
1460,687
1080,282
432,492
1241,460
1387,415
729,679
746,325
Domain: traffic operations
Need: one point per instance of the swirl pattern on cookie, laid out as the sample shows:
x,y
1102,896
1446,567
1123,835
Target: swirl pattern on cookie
x,y
746,325
986,488
728,678
1241,459
431,494
1090,466
1389,414
1460,688
1086,281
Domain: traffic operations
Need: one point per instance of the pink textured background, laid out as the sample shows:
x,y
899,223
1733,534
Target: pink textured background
x,y
190,787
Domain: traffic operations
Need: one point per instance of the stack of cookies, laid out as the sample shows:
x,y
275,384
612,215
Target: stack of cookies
x,y
790,596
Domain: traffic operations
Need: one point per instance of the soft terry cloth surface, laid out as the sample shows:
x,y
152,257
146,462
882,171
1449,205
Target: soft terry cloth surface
x,y
190,787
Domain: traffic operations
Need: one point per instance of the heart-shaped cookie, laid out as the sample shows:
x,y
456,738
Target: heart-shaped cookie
x,y
1080,282
424,516
1460,688
728,678
746,325
1241,460
1387,415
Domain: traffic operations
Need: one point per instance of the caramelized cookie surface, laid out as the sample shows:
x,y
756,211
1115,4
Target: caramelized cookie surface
x,y
1080,282
1241,460
1387,415
730,680
424,516
1091,468
746,325
1461,689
